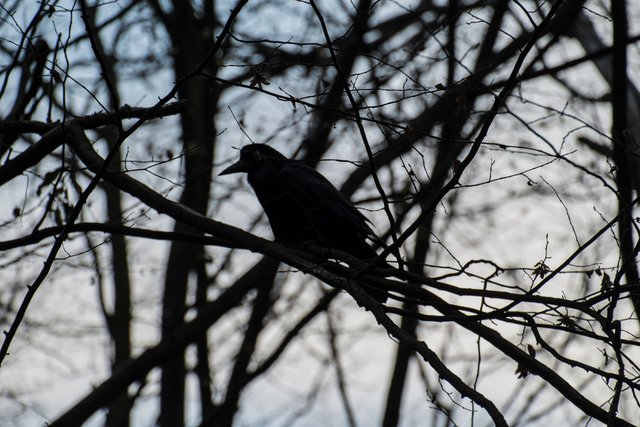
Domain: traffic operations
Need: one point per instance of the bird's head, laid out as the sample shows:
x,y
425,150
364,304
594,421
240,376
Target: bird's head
x,y
253,157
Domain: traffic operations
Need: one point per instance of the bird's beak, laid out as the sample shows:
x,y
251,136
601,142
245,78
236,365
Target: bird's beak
x,y
237,167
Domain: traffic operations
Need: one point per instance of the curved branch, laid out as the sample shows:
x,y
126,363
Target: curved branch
x,y
280,252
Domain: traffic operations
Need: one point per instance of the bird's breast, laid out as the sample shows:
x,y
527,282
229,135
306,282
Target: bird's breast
x,y
291,221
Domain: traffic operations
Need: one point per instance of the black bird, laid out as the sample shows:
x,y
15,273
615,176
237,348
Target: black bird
x,y
303,206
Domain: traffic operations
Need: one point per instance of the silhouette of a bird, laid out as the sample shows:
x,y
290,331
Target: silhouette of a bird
x,y
303,206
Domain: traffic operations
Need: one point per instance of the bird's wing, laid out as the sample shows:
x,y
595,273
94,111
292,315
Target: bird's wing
x,y
314,190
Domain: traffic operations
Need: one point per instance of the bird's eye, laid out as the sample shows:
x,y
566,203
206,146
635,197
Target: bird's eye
x,y
257,156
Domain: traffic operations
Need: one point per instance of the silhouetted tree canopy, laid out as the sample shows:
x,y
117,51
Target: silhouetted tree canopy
x,y
492,145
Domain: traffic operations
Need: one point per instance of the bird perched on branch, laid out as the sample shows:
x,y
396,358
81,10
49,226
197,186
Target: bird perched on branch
x,y
303,206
